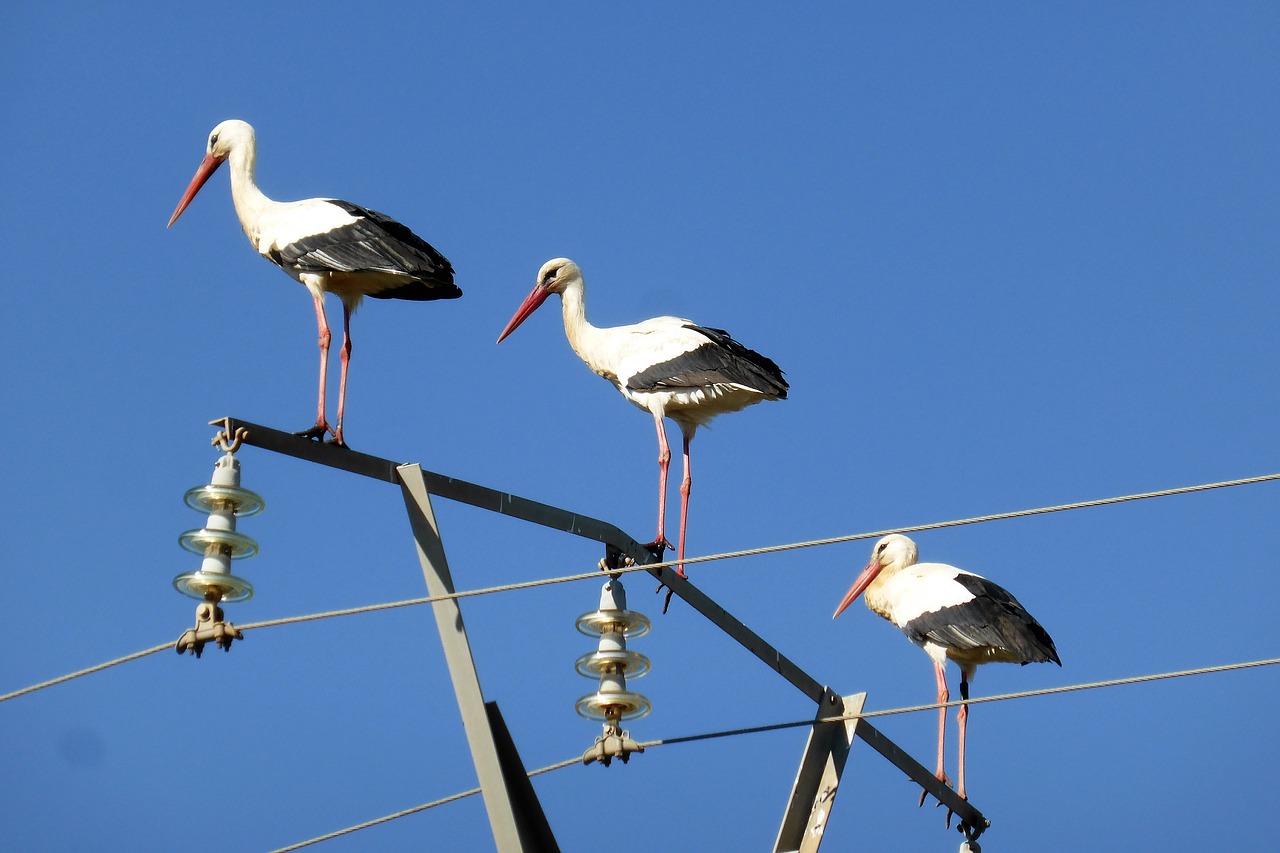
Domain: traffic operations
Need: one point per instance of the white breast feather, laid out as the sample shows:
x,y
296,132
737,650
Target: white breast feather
x,y
923,588
286,223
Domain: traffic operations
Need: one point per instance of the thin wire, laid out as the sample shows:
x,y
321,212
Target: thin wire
x,y
1181,490
1072,688
33,688
910,709
386,818
376,821
938,525
1115,682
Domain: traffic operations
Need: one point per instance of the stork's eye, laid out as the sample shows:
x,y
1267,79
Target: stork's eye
x,y
548,278
213,140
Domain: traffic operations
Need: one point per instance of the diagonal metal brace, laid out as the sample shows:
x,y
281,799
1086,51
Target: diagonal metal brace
x,y
515,818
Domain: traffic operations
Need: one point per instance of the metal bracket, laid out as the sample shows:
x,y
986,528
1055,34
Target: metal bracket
x,y
818,779
210,626
971,834
614,558
227,438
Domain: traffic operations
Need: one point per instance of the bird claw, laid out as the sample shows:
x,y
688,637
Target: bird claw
x,y
666,602
317,432
924,794
657,547
941,777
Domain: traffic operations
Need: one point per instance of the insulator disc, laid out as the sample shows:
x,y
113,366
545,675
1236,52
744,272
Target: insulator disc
x,y
627,705
629,663
632,624
209,498
196,541
198,585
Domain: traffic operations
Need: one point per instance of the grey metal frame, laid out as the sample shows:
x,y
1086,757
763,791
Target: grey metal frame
x,y
515,816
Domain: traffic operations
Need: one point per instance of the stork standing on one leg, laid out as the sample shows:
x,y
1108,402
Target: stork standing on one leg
x,y
671,368
950,613
328,245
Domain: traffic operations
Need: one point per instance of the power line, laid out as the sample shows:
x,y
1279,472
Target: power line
x,y
1072,688
1002,697
979,519
1181,490
794,724
69,676
416,809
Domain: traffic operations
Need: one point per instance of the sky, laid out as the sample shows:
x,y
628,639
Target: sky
x,y
1009,256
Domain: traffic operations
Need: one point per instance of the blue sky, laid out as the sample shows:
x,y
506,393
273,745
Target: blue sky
x,y
1009,255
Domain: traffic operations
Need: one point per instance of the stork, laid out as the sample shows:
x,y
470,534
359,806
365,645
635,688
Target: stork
x,y
328,245
671,368
950,613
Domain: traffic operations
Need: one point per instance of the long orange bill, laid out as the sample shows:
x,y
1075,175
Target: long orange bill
x,y
208,166
530,304
860,583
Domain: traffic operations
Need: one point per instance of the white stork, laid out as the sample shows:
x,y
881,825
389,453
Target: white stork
x,y
667,366
328,245
950,613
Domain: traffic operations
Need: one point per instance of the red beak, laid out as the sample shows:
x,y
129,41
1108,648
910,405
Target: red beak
x,y
530,304
208,166
860,583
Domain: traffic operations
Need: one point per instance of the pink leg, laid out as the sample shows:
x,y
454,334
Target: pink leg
x,y
345,355
943,697
322,426
962,721
664,460
685,487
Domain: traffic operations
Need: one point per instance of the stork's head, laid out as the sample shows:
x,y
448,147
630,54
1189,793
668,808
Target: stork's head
x,y
894,551
230,135
554,277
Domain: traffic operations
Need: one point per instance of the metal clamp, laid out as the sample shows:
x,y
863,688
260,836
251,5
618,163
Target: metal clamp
x,y
210,626
610,745
971,833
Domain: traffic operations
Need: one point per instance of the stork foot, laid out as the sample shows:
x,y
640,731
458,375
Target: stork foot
x,y
941,777
316,433
944,780
657,547
336,441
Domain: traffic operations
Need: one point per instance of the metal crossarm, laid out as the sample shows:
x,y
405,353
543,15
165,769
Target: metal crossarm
x,y
514,813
